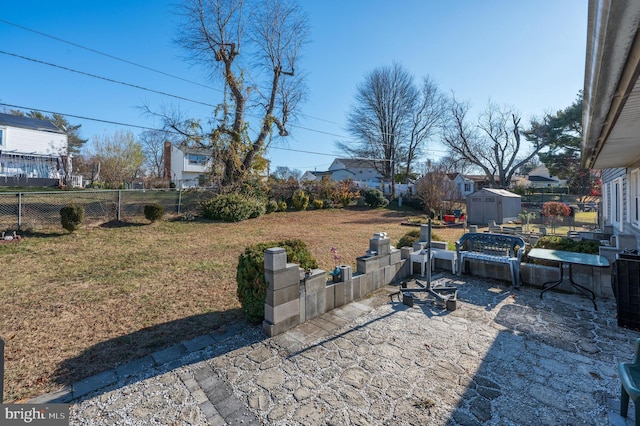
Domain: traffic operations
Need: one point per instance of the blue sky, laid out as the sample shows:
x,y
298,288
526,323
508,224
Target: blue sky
x,y
525,54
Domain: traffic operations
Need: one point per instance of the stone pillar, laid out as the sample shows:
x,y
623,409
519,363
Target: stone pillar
x,y
282,307
380,244
345,273
473,229
424,232
405,252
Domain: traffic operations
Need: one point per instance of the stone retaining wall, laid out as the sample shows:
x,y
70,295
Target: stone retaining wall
x,y
294,297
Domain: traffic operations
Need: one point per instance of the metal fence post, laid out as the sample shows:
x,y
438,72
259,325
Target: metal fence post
x,y
118,210
179,199
1,370
19,210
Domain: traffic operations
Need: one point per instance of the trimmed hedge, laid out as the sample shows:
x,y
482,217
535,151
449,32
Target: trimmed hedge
x,y
72,216
252,288
153,212
373,197
232,208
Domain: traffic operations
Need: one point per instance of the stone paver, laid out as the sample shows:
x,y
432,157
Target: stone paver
x,y
501,358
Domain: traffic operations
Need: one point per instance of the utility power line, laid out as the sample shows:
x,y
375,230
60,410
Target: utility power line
x,y
107,55
126,61
110,80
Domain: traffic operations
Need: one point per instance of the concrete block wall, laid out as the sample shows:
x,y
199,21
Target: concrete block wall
x,y
294,297
596,279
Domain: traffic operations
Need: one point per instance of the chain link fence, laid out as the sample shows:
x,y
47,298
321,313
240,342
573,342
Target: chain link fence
x,y
41,210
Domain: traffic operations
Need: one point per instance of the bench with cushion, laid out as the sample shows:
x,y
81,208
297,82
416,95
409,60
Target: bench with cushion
x,y
492,248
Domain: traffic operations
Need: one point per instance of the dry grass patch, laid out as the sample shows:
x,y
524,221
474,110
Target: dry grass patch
x,y
76,305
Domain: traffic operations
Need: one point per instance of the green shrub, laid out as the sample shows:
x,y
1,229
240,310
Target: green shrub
x,y
232,208
373,197
409,238
413,236
318,204
327,204
252,288
72,216
153,212
556,242
300,200
272,206
282,206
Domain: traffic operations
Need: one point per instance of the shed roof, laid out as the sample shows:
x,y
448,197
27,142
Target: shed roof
x,y
28,123
501,192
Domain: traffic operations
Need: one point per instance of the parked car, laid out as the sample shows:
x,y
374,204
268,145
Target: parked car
x,y
591,206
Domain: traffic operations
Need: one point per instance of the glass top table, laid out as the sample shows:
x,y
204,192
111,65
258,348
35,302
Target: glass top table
x,y
569,258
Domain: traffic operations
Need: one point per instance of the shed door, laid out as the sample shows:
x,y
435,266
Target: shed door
x,y
489,210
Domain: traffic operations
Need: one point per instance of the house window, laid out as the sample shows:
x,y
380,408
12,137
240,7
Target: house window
x,y
197,159
2,133
467,187
634,197
616,204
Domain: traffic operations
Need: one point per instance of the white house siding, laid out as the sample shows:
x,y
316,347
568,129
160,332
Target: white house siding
x,y
29,153
626,223
26,141
184,174
611,177
343,175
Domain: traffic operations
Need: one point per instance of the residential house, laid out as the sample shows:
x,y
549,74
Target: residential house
x,y
32,152
357,170
463,184
539,177
186,167
611,111
311,176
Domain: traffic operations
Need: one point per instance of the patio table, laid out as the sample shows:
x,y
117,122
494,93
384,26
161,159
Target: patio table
x,y
569,258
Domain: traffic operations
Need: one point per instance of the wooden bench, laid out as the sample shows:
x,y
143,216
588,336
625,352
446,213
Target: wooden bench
x,y
492,248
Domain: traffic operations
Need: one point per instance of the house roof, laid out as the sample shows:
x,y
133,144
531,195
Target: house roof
x,y
611,88
350,163
500,192
319,174
536,178
28,123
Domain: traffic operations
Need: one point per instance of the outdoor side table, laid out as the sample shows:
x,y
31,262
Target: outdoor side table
x,y
569,258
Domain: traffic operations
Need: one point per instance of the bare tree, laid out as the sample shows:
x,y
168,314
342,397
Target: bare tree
x,y
382,118
435,188
253,46
118,156
428,113
152,142
492,144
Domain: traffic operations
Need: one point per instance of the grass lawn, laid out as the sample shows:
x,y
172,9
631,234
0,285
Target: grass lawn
x,y
74,305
